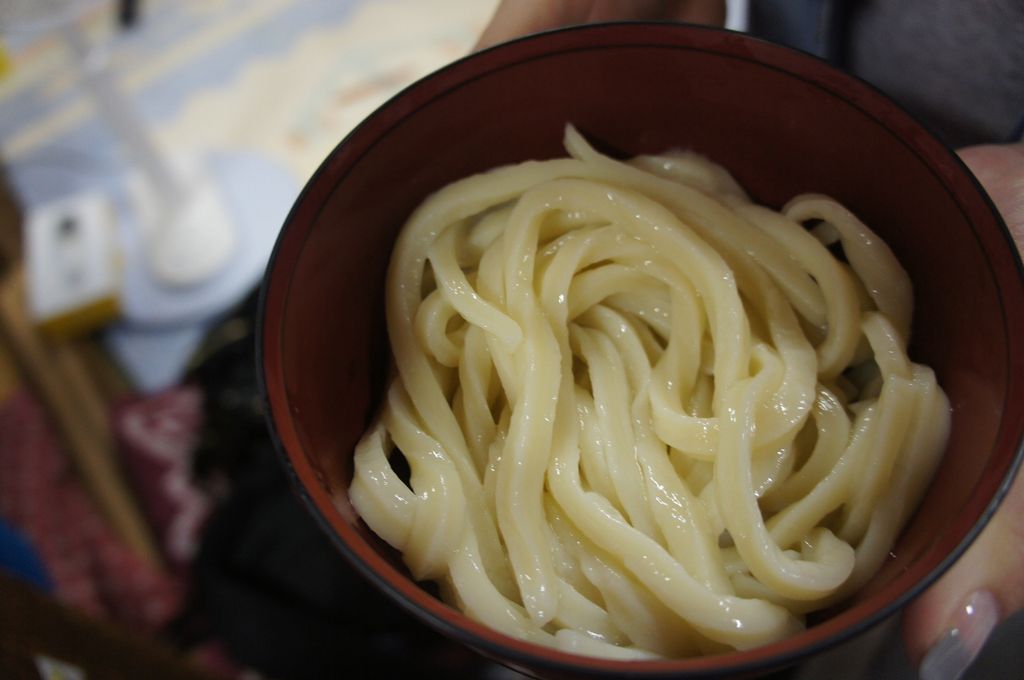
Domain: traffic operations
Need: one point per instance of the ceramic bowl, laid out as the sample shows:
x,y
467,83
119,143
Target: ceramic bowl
x,y
784,123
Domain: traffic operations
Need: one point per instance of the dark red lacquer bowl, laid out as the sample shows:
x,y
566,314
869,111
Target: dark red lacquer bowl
x,y
783,123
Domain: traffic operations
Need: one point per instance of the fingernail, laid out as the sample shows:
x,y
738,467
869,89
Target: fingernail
x,y
954,652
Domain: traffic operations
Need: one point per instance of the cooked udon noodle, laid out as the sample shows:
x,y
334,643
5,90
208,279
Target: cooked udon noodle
x,y
643,416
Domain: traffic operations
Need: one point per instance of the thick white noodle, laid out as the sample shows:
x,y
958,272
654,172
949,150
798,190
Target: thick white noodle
x,y
642,415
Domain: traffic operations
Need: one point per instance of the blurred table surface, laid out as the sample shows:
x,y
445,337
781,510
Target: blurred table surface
x,y
256,91
280,78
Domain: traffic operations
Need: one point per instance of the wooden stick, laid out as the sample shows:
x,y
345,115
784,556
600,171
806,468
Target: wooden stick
x,y
81,422
103,373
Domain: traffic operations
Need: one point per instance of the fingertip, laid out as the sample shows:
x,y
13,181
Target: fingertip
x,y
952,653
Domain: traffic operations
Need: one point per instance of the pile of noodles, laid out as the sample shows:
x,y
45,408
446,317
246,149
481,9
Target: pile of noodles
x,y
642,415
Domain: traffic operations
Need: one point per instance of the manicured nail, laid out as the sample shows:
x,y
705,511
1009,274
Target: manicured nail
x,y
954,652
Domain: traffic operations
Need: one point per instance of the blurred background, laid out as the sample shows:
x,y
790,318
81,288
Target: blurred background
x,y
149,152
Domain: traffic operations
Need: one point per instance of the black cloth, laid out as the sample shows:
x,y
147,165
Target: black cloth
x,y
956,65
269,583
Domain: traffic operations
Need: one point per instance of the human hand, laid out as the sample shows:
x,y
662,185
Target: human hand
x,y
515,18
946,627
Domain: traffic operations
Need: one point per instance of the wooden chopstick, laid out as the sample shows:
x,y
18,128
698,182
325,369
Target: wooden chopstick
x,y
62,383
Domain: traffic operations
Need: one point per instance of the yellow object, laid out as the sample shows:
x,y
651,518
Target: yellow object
x,y
6,64
80,321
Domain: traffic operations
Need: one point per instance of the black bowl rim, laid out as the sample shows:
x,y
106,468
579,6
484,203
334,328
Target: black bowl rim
x,y
615,668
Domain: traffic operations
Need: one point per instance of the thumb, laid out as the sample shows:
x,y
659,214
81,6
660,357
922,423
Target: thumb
x,y
946,627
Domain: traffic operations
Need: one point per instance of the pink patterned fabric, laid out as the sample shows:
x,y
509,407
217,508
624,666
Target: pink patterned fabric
x,y
157,435
41,495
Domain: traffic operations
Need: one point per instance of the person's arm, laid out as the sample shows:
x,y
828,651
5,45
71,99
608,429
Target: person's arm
x,y
514,18
945,628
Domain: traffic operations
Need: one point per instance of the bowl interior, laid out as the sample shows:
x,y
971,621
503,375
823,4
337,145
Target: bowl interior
x,y
783,123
